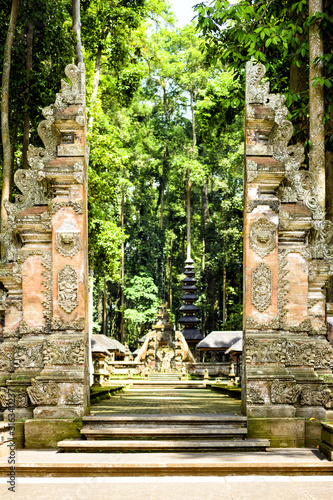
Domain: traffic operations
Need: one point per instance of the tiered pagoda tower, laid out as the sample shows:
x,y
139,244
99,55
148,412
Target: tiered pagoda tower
x,y
190,321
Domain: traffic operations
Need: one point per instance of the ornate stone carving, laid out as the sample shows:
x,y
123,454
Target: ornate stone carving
x,y
43,393
67,239
284,392
50,136
299,354
323,357
64,353
28,356
10,334
76,205
252,324
25,329
263,237
254,397
68,289
78,173
6,358
265,352
75,398
272,204
20,400
320,397
10,246
252,170
60,324
262,287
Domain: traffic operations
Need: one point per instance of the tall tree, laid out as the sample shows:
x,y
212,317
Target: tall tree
x,y
5,135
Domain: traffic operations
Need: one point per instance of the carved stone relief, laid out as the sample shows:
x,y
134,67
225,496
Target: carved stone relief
x,y
254,396
262,287
60,324
265,352
252,324
76,205
273,204
252,170
64,353
28,356
75,398
263,237
68,289
6,358
21,398
284,392
43,393
68,239
320,397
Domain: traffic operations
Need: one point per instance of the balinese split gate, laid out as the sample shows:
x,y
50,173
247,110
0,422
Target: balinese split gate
x,y
287,359
44,273
288,258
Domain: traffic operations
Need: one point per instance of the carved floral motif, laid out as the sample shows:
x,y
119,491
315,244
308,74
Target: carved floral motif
x,y
262,287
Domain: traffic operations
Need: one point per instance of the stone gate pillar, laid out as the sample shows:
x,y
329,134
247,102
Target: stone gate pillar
x,y
287,369
44,276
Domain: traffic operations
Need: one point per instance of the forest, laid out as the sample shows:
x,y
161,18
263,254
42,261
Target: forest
x,y
165,118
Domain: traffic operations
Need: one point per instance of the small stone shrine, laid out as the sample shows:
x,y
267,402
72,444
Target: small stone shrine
x,y
287,373
164,350
43,272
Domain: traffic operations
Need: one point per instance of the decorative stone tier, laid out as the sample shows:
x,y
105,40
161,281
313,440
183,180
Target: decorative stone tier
x,y
288,258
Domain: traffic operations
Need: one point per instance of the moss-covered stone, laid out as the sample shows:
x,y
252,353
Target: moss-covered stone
x,y
18,436
312,433
46,433
282,432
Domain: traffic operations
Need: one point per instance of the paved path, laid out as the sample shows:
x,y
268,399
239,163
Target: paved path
x,y
173,488
166,400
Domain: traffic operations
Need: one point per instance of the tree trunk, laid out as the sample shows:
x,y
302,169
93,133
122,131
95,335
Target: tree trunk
x,y
189,215
122,297
317,108
96,82
162,184
224,307
193,119
77,29
26,126
105,309
7,164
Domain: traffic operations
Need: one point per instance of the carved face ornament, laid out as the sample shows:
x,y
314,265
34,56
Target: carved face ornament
x,y
263,237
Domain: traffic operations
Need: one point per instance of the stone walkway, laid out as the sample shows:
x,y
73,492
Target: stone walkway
x,y
167,400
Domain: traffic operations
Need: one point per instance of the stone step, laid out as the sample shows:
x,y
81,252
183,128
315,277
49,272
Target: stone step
x,y
171,419
164,432
72,445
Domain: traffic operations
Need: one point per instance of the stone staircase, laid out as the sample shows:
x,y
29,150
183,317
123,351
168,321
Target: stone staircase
x,y
164,433
164,377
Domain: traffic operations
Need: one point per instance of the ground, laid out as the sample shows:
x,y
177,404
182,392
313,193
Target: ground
x,y
139,400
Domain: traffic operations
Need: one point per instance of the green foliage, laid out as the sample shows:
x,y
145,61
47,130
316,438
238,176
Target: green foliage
x,y
142,296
